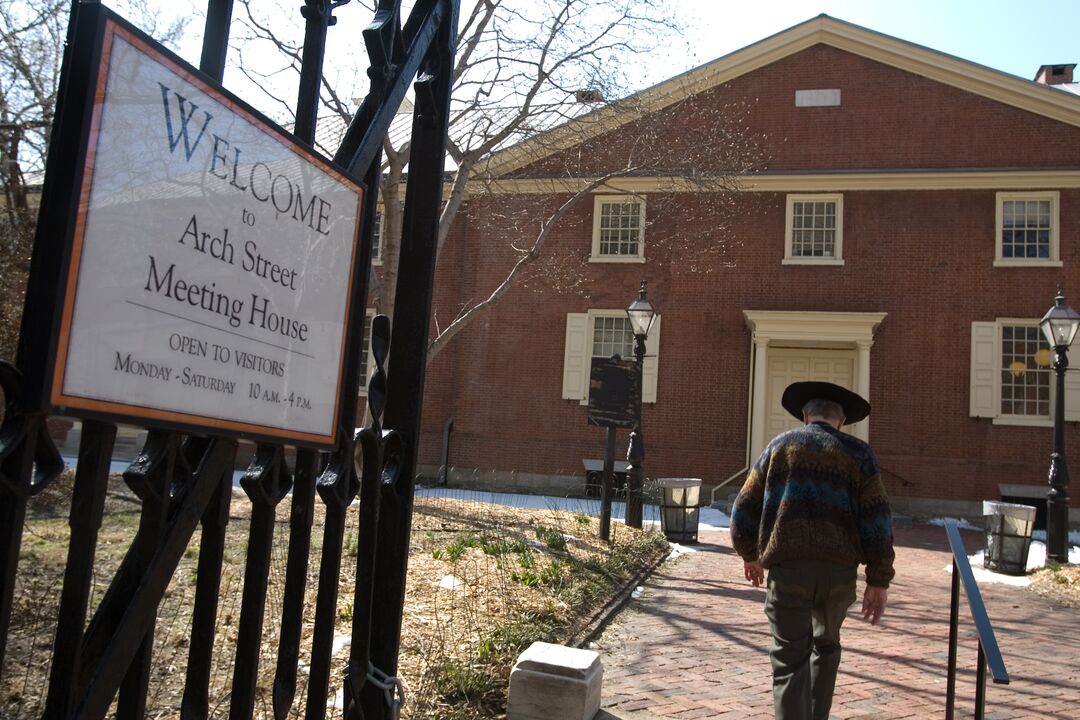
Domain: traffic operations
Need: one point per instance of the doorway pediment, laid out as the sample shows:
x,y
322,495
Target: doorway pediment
x,y
821,328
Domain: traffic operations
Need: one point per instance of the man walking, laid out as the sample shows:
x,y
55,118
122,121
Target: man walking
x,y
811,510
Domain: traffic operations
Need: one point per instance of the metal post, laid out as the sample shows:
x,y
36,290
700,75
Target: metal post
x,y
444,460
954,624
1057,499
87,508
216,38
607,485
635,454
408,348
980,685
318,17
317,14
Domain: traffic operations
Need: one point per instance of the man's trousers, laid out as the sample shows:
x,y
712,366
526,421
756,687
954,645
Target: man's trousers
x,y
806,603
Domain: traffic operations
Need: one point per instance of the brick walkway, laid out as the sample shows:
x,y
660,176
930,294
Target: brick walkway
x,y
695,644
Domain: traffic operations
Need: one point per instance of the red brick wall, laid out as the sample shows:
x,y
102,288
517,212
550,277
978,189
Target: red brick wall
x,y
923,257
888,119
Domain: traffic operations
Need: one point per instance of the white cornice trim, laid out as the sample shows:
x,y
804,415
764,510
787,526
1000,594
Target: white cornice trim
x,y
937,66
918,180
800,182
813,326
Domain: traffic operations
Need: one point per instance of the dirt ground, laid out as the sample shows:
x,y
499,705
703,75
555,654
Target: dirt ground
x,y
1062,584
484,581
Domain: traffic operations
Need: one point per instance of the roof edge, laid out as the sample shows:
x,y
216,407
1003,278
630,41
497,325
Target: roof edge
x,y
822,29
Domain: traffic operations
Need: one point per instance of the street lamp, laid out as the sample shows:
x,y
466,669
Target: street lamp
x,y
1059,326
641,314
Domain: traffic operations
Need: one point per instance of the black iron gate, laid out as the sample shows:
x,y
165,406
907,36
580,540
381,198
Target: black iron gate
x,y
184,480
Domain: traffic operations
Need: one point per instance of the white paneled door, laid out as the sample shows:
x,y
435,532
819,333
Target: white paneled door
x,y
788,365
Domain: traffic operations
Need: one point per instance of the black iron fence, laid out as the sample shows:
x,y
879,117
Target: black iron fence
x,y
989,654
183,480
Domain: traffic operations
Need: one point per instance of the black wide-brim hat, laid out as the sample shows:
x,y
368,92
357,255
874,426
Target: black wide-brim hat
x,y
799,393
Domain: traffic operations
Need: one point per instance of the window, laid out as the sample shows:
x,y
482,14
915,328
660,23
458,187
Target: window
x,y
1025,371
603,333
814,230
376,240
1027,230
618,229
612,336
1011,376
817,98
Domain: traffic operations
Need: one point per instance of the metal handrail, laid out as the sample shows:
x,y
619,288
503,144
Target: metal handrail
x,y
712,496
989,654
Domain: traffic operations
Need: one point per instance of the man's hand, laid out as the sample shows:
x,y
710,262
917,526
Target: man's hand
x,y
873,603
754,573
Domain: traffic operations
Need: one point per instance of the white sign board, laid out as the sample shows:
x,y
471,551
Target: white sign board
x,y
211,262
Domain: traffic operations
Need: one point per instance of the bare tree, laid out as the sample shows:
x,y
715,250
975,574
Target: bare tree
x,y
32,37
714,148
29,69
523,68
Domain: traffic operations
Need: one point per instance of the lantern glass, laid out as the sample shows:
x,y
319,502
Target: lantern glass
x,y
641,313
1060,323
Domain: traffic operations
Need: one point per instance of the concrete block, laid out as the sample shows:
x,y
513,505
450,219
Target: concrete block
x,y
553,681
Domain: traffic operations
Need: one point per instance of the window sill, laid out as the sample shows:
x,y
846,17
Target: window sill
x,y
1001,263
1021,420
616,259
834,262
585,401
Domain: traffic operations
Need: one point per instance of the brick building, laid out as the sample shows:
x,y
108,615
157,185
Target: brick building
x,y
908,223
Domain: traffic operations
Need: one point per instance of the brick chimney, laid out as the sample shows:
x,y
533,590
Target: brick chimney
x,y
1055,74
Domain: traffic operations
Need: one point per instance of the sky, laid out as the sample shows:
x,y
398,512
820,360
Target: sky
x,y
1013,36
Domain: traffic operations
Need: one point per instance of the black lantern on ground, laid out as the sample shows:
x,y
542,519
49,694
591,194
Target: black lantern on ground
x,y
641,314
1059,326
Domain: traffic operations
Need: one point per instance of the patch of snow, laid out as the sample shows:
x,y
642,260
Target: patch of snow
x,y
1074,539
1037,553
1036,561
449,582
340,643
960,523
586,506
708,518
677,550
984,576
713,519
637,592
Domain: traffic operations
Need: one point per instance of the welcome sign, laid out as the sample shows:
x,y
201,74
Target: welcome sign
x,y
210,264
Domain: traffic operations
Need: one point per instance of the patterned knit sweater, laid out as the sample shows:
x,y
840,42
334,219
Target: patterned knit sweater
x,y
816,494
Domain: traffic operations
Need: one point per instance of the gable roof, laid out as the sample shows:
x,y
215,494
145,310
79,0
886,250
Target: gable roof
x,y
823,29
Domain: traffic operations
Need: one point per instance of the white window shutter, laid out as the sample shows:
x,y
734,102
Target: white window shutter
x,y
1072,395
652,362
575,357
984,380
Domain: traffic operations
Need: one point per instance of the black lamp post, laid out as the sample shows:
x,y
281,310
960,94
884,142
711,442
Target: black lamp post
x,y
641,314
1059,327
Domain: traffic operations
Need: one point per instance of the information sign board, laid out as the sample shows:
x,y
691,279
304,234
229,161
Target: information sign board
x,y
210,262
612,393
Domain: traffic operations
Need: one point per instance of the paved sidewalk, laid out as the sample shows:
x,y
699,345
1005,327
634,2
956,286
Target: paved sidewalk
x,y
695,644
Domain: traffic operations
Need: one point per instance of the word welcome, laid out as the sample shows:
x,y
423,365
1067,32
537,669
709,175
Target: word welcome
x,y
257,179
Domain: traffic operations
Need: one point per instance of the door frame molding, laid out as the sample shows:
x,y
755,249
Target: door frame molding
x,y
810,329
